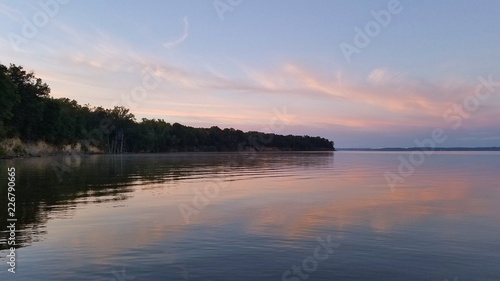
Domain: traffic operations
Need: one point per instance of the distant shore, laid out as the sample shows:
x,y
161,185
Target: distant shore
x,y
494,148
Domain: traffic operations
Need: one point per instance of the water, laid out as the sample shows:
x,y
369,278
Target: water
x,y
213,216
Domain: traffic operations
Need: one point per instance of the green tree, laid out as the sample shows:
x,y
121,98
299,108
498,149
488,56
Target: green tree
x,y
8,98
28,113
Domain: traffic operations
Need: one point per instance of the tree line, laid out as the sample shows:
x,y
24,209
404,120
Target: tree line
x,y
31,114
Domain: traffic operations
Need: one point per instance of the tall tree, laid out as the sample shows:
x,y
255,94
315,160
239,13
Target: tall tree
x,y
8,98
28,113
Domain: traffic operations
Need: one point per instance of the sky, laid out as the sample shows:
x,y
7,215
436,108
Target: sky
x,y
362,73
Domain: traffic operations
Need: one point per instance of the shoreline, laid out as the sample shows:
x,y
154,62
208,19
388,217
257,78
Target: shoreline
x,y
11,157
14,148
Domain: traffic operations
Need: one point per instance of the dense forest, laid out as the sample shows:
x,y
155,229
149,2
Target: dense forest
x,y
29,113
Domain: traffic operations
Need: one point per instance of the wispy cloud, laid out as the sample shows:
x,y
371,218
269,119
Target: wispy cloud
x,y
383,98
382,75
182,38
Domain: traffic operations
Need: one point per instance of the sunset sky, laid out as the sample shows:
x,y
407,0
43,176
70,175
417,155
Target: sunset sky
x,y
362,73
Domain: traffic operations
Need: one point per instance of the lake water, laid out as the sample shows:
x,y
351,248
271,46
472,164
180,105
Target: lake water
x,y
270,216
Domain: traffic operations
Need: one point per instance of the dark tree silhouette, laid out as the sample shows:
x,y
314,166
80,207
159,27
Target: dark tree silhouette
x,y
28,112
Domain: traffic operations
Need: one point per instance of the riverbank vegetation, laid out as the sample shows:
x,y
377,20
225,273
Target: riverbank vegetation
x,y
30,114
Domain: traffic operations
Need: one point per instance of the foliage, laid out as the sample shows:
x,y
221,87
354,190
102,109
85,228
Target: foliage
x,y
8,98
29,113
3,152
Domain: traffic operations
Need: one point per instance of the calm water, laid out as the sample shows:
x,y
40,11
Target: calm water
x,y
255,217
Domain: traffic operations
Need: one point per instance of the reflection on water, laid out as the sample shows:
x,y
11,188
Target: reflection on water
x,y
254,216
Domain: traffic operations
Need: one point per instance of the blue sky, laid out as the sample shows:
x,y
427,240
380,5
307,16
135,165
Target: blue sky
x,y
274,66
